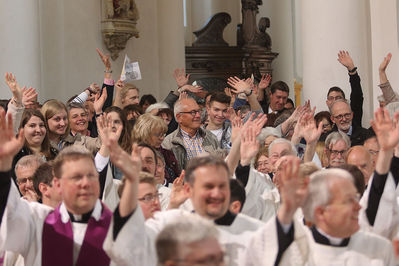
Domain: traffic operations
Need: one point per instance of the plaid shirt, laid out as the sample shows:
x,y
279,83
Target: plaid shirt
x,y
193,145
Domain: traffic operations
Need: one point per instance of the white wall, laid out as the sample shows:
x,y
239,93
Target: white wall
x,y
384,26
63,60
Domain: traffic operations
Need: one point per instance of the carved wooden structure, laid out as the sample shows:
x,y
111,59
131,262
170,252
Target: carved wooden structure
x,y
211,57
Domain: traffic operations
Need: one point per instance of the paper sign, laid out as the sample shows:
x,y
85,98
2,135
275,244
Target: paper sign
x,y
130,71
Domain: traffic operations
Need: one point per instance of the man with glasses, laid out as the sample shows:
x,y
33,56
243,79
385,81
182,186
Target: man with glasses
x,y
189,140
24,171
356,97
342,116
336,147
331,203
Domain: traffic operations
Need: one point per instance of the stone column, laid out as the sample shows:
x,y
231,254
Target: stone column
x,y
170,42
20,43
327,27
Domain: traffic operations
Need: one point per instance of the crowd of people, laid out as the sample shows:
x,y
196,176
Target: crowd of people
x,y
237,176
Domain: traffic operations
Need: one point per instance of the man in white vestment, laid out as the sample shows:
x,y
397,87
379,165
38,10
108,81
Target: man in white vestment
x,y
330,202
74,232
207,184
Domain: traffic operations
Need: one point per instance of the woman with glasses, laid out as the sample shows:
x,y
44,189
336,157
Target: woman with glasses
x,y
151,130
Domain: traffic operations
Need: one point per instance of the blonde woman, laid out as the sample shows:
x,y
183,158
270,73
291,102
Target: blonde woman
x,y
151,130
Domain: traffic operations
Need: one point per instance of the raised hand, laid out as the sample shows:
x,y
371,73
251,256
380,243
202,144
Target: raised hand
x,y
31,196
99,101
345,59
239,85
10,145
178,194
181,77
183,95
249,145
386,131
236,126
194,89
293,189
29,96
14,87
385,62
230,114
105,59
264,81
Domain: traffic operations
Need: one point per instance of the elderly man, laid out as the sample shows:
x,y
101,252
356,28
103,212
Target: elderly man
x,y
361,158
336,147
191,241
73,233
24,171
342,116
356,96
279,148
207,184
330,203
189,139
371,144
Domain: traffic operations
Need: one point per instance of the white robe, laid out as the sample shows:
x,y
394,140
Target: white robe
x,y
110,195
22,227
235,237
386,222
262,197
364,248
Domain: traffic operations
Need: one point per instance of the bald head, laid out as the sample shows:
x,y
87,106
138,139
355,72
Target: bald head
x,y
361,158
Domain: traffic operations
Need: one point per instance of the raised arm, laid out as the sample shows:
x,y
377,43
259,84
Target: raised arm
x,y
263,84
356,97
389,94
108,81
241,86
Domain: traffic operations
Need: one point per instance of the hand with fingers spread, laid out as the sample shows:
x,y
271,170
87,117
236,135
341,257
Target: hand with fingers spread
x,y
181,77
239,85
230,114
232,95
345,59
99,101
293,189
194,89
14,87
386,130
31,196
10,145
264,81
249,146
29,97
178,195
236,126
105,59
257,123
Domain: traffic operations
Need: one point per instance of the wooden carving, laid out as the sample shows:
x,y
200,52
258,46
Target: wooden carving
x,y
212,33
118,24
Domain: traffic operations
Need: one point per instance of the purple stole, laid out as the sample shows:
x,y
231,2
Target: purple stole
x,y
57,241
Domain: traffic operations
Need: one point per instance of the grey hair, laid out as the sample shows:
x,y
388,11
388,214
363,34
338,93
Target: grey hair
x,y
266,132
30,161
319,190
172,242
392,108
293,150
340,101
179,106
161,105
336,136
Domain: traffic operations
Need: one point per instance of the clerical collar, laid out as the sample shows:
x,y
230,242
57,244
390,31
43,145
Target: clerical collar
x,y
325,239
84,218
227,219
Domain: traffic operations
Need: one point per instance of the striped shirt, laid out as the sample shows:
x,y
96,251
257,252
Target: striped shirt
x,y
193,145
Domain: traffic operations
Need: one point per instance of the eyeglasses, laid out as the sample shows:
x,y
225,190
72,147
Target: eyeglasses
x,y
332,98
159,135
149,198
349,201
193,112
335,152
347,116
373,152
24,180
